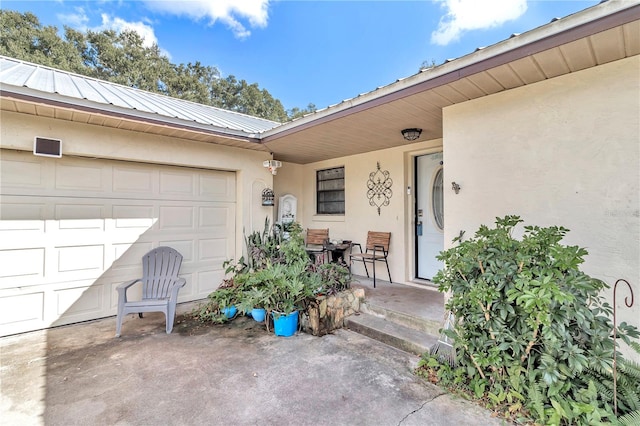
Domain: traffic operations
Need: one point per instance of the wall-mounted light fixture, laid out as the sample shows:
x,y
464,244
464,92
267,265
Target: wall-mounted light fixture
x,y
411,134
455,187
267,197
272,166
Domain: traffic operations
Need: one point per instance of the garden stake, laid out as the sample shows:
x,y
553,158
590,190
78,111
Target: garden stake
x,y
443,349
629,304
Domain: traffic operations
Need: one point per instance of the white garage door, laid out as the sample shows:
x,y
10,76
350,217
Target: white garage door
x,y
72,229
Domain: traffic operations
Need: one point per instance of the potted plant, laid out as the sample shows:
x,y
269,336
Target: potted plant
x,y
286,290
276,276
252,302
225,298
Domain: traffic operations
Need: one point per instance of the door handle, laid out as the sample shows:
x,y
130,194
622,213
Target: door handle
x,y
419,228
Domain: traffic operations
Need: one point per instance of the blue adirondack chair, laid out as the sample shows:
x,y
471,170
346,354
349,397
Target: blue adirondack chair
x,y
160,286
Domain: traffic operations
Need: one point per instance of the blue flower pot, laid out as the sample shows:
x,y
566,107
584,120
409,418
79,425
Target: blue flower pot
x,y
285,325
230,311
258,314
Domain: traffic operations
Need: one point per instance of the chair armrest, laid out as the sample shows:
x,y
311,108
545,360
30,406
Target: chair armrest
x,y
122,288
378,247
356,244
177,285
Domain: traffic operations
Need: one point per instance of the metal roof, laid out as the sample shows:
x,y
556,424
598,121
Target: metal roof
x,y
607,32
74,87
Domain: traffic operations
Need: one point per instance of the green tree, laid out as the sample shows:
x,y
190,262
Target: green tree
x,y
296,112
122,57
192,82
23,37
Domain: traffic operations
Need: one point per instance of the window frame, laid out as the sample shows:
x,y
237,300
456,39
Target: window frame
x,y
325,175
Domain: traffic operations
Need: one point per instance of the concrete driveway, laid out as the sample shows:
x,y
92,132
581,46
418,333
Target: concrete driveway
x,y
234,374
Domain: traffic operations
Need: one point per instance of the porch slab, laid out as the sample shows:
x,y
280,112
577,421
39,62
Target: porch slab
x,y
421,304
236,373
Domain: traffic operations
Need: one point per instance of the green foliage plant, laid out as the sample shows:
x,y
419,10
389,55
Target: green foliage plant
x,y
533,335
334,277
226,295
277,274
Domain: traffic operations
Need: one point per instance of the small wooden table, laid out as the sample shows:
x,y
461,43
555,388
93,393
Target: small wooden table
x,y
337,251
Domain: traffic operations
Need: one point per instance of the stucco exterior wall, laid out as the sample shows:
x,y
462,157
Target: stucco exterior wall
x,y
560,152
18,130
289,180
361,217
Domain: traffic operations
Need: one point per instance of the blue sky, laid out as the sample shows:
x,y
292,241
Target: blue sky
x,y
303,52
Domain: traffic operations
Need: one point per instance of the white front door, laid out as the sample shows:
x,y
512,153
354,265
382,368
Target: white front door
x,y
429,215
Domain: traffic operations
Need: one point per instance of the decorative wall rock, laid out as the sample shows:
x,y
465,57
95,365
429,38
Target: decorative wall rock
x,y
329,313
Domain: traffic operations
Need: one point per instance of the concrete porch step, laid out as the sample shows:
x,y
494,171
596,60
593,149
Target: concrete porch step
x,y
392,333
425,325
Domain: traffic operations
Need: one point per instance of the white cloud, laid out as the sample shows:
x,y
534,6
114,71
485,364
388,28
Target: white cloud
x,y
229,12
466,15
118,24
77,20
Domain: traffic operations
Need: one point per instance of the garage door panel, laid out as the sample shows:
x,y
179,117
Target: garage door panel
x,y
176,218
24,265
134,216
73,216
81,178
78,262
213,250
207,281
177,184
22,173
129,180
83,300
215,218
76,229
129,255
19,233
22,311
111,293
218,186
188,292
184,247
18,211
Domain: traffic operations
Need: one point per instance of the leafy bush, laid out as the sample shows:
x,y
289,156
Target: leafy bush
x,y
334,277
533,334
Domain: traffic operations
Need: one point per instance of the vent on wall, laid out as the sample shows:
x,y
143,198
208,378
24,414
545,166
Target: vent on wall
x,y
47,147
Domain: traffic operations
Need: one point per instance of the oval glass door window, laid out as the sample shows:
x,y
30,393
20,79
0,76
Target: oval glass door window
x,y
437,199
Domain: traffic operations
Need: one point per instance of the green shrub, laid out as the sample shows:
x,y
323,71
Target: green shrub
x,y
334,277
277,275
533,334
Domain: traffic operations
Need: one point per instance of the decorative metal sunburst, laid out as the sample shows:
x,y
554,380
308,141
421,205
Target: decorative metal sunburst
x,y
379,188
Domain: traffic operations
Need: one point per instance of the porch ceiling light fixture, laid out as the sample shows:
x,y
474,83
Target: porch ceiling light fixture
x,y
272,166
411,134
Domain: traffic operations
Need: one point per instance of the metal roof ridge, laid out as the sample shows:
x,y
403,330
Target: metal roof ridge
x,y
127,88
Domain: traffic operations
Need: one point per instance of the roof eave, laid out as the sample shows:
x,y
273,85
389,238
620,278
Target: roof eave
x,y
56,100
598,18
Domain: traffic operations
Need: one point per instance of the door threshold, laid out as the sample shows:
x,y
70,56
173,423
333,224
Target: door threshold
x,y
424,283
